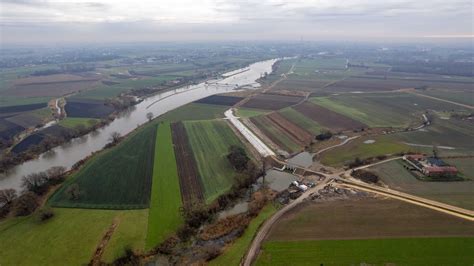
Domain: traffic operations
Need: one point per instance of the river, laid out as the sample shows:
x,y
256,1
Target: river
x,y
68,154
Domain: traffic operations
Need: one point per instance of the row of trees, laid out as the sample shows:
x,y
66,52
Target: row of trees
x,y
34,187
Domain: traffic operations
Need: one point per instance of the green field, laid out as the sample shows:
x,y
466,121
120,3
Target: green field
x,y
407,251
74,122
195,111
382,109
281,138
210,142
459,193
235,252
116,178
383,145
464,97
301,120
70,237
164,215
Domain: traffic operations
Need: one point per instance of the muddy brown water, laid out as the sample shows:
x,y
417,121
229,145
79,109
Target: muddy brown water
x,y
68,154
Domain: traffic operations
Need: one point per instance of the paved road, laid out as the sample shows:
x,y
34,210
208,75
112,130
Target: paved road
x,y
265,228
257,143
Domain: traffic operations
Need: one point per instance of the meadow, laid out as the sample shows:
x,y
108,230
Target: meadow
x,y
116,178
195,111
70,237
210,141
165,203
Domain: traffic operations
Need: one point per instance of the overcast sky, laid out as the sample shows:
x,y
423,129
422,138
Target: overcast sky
x,y
57,21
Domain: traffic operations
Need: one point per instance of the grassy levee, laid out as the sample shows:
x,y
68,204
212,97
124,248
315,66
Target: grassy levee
x,y
301,120
210,141
406,251
236,251
116,178
164,215
70,237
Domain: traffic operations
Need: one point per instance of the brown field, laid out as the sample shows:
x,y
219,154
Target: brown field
x,y
271,101
366,218
52,85
299,134
328,118
190,183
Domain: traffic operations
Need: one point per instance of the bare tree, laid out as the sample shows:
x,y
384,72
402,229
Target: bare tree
x,y
149,116
7,196
114,137
35,182
56,174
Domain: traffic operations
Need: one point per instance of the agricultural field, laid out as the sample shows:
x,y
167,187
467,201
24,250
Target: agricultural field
x,y
276,134
365,147
210,141
70,237
459,96
459,193
367,230
301,136
220,100
453,136
51,85
116,178
405,251
195,111
234,253
327,118
249,112
165,203
271,101
87,108
190,183
301,121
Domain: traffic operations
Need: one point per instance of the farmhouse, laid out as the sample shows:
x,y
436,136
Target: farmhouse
x,y
431,166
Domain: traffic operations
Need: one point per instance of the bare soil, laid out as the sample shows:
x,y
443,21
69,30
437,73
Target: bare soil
x,y
190,183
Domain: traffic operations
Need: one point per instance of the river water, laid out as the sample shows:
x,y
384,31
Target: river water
x,y
77,149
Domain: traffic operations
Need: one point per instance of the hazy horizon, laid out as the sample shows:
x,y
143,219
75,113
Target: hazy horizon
x,y
105,21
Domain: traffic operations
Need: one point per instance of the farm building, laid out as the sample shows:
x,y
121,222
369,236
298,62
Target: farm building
x,y
430,166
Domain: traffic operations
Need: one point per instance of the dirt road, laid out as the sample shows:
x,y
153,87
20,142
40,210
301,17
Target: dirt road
x,y
265,228
442,100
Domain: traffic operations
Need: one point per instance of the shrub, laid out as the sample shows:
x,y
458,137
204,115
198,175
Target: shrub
x,y
365,176
26,204
46,214
238,158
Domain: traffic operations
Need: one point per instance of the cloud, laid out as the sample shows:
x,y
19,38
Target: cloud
x,y
179,19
